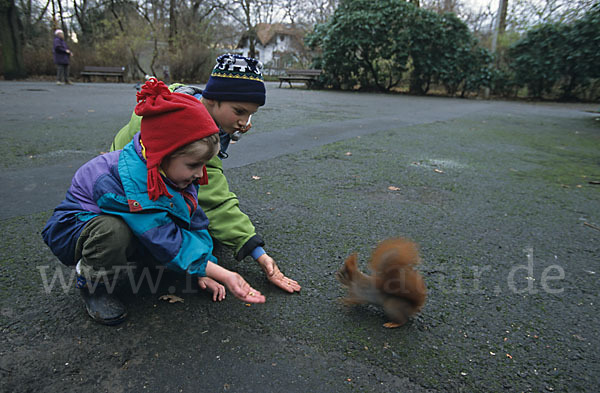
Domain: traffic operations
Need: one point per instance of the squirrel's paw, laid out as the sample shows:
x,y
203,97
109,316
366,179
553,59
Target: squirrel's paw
x,y
391,325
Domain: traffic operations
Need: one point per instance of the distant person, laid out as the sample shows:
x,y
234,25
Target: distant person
x,y
234,91
140,204
62,57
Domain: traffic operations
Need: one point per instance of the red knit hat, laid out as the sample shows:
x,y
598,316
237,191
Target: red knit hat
x,y
170,121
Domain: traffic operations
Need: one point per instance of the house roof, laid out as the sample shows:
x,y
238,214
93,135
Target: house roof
x,y
267,31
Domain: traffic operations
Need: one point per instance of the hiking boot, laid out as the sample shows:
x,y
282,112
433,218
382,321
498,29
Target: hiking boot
x,y
102,306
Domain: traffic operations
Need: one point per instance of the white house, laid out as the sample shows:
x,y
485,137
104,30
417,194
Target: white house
x,y
279,46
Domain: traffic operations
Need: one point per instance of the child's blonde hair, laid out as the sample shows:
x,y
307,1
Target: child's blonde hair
x,y
211,142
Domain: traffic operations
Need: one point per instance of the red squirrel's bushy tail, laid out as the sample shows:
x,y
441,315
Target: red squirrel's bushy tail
x,y
361,288
393,263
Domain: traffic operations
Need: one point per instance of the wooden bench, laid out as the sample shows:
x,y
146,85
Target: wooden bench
x,y
307,76
89,71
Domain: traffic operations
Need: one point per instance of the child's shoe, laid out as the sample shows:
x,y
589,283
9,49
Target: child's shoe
x,y
102,306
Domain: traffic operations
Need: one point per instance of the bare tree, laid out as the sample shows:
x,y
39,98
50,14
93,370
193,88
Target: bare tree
x,y
442,6
522,14
32,14
307,12
61,16
249,13
318,11
12,50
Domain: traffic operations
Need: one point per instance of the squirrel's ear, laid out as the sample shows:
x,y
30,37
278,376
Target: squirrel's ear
x,y
351,261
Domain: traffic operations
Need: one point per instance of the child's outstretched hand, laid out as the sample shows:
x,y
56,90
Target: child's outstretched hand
x,y
218,290
274,275
242,290
235,283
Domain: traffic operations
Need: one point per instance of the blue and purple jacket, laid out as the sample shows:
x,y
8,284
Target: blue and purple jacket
x,y
173,230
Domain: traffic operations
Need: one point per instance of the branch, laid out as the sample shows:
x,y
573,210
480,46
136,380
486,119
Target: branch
x,y
38,20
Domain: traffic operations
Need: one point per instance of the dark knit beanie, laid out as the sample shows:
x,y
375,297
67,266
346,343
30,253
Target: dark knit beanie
x,y
236,78
170,121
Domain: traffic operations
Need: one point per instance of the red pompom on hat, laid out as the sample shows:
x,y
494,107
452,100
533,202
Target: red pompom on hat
x,y
169,121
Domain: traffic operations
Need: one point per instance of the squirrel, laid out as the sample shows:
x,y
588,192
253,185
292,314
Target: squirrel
x,y
395,284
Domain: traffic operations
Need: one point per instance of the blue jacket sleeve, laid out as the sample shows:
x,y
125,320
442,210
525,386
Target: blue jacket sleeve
x,y
177,248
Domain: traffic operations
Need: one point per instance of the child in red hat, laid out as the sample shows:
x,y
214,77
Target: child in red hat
x,y
140,203
234,91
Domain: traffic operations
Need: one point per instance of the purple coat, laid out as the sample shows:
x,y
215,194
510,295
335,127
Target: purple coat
x,y
60,51
173,230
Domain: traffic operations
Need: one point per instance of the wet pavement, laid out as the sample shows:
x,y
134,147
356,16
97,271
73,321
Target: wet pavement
x,y
501,196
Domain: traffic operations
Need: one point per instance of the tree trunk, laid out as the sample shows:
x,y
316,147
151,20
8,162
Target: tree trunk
x,y
417,85
12,50
503,10
247,7
252,42
172,26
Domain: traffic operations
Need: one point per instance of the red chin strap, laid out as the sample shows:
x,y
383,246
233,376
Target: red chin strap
x,y
156,185
204,180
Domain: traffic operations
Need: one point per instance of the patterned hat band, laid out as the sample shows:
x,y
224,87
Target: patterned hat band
x,y
237,74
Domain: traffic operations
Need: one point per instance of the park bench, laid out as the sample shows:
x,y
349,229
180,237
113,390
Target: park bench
x,y
89,71
307,76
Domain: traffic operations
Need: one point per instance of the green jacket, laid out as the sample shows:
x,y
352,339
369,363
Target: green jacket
x,y
227,223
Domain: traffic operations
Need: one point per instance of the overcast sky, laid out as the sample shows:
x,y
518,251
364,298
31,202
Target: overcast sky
x,y
476,4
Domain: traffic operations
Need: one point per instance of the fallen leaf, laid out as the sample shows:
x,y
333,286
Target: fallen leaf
x,y
393,188
255,177
171,298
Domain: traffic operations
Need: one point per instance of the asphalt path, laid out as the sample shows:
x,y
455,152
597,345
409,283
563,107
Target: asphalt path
x,y
501,196
84,108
